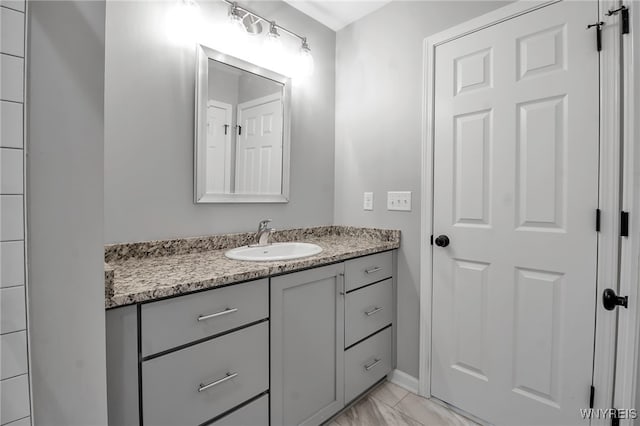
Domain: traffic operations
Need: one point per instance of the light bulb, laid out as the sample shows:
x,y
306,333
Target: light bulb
x,y
272,50
184,22
235,39
305,61
236,22
272,42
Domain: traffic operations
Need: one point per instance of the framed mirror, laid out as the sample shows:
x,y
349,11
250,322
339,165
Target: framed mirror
x,y
242,131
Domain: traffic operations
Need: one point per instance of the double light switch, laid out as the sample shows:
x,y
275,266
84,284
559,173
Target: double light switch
x,y
396,200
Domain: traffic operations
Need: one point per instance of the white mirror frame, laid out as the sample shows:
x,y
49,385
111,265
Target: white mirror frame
x,y
202,90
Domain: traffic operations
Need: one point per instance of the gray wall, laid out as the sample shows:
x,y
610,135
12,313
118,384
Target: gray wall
x,y
65,108
378,119
149,115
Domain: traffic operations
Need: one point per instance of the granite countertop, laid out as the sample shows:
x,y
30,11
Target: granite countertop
x,y
141,272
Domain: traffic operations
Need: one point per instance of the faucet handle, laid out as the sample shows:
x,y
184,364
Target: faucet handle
x,y
263,224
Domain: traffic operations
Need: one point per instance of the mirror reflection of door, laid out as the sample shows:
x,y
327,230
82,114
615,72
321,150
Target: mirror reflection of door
x,y
218,162
244,138
259,147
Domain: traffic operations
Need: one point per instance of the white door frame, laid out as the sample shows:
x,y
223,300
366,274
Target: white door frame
x,y
609,180
629,320
227,141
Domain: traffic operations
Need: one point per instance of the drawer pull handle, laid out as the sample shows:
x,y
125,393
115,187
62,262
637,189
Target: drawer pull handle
x,y
375,362
372,270
228,376
373,311
217,314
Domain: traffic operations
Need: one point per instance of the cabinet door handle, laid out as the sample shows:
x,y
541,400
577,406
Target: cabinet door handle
x,y
375,362
342,286
228,376
373,311
217,314
372,270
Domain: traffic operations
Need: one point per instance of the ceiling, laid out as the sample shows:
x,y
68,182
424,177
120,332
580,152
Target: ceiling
x,y
337,14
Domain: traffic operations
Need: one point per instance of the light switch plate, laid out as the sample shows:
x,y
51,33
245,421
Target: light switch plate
x,y
399,200
368,201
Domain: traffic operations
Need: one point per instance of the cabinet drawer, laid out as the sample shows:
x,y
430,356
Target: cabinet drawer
x,y
174,386
368,310
254,414
368,269
366,363
174,322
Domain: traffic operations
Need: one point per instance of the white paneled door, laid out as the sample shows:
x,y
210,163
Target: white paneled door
x,y
515,193
259,148
218,158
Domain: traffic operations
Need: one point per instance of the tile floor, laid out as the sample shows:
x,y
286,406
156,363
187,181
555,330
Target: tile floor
x,y
392,405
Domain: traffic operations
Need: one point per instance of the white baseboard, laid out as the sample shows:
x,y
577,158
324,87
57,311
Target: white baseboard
x,y
404,380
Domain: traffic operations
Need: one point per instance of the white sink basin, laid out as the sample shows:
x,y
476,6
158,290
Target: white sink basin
x,y
275,251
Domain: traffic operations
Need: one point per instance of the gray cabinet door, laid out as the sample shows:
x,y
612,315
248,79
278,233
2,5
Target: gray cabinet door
x,y
367,310
166,324
198,383
255,413
366,363
307,341
368,269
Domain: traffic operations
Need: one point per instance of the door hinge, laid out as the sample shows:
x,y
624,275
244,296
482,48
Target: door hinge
x,y
592,396
598,214
598,27
624,18
624,224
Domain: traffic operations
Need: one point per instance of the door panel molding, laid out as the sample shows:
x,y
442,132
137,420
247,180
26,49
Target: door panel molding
x,y
610,197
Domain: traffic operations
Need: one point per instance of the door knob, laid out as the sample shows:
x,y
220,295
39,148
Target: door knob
x,y
442,241
610,300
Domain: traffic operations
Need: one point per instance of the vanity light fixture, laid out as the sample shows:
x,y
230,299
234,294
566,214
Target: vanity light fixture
x,y
184,22
273,42
236,19
306,59
273,32
238,15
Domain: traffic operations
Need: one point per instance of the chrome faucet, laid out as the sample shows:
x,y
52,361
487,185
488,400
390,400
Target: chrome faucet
x,y
262,236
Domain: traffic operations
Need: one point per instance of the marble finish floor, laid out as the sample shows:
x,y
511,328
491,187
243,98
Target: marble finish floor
x,y
392,405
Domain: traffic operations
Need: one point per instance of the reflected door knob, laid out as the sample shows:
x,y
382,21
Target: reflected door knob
x,y
442,241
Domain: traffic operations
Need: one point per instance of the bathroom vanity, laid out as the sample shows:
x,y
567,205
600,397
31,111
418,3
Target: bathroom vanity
x,y
196,338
